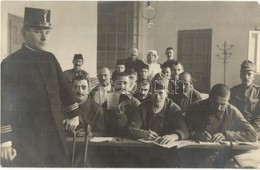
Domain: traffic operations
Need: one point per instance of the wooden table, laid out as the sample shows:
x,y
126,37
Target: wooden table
x,y
134,147
125,142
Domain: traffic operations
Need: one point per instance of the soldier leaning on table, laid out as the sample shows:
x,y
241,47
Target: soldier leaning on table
x,y
33,88
158,117
215,120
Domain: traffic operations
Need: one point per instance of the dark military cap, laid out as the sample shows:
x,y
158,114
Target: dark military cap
x,y
34,17
144,66
78,56
120,62
247,65
169,64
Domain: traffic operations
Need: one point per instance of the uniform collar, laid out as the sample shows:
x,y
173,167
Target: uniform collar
x,y
31,49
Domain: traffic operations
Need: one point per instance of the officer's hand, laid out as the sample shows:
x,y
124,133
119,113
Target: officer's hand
x,y
8,153
217,137
168,138
71,124
89,131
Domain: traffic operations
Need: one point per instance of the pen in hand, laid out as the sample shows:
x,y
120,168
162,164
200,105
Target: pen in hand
x,y
153,135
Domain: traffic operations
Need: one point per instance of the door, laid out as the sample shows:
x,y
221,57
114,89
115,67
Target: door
x,y
194,52
15,39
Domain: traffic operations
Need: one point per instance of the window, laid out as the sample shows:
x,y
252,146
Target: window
x,y
254,48
117,31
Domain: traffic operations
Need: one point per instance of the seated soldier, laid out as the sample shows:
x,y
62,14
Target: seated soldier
x,y
99,92
90,112
143,73
120,68
117,118
76,70
186,94
91,118
158,116
246,97
133,60
177,69
215,120
158,119
166,70
143,91
170,54
132,88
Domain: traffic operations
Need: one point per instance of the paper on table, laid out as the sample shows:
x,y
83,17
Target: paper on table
x,y
178,144
112,100
101,139
208,143
146,141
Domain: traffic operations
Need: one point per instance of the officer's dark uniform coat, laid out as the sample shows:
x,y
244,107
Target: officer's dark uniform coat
x,y
33,88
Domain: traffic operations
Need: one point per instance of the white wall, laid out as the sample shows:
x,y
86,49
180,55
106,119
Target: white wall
x,y
74,29
230,21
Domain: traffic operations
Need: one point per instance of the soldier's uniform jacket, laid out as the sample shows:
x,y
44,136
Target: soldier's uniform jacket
x,y
230,122
33,88
247,100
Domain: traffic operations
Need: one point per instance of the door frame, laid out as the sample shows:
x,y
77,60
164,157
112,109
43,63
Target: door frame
x,y
208,32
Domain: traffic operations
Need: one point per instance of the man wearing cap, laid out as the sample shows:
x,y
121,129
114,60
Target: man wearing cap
x,y
186,94
33,88
77,62
147,119
215,120
246,97
120,68
158,118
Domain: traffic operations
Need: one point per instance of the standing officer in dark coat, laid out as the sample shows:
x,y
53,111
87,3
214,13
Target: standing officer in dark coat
x,y
33,88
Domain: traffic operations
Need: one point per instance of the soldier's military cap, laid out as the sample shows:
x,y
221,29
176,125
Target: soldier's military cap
x,y
34,17
78,56
144,66
247,65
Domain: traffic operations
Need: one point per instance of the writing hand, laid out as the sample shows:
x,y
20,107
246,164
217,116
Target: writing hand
x,y
203,136
217,137
153,135
168,138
